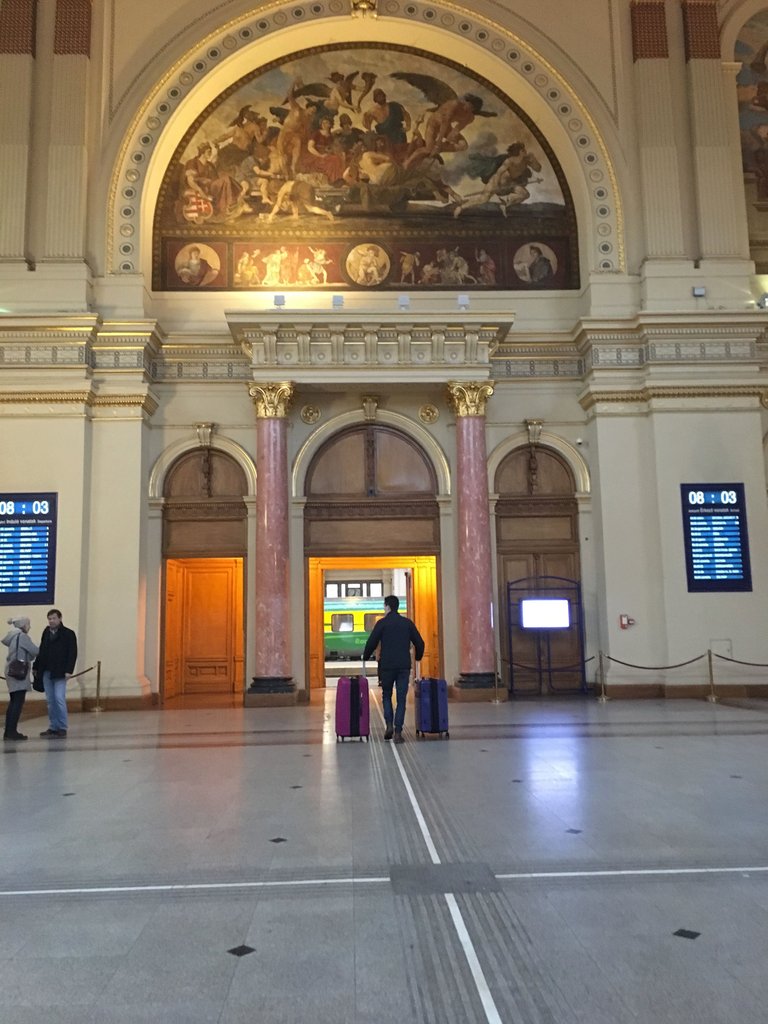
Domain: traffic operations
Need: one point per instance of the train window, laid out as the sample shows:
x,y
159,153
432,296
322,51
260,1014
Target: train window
x,y
331,589
376,590
354,589
371,618
342,623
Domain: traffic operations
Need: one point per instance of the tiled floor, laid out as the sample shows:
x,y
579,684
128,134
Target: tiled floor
x,y
532,869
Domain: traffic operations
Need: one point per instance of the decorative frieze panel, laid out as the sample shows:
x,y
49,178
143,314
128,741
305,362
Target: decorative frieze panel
x,y
434,351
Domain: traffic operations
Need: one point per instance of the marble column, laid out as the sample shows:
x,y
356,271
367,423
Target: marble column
x,y
477,659
271,612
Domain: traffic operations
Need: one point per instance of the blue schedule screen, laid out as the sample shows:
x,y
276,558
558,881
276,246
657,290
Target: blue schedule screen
x,y
716,539
27,548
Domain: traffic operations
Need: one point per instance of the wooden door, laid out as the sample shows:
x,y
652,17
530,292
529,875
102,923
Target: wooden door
x,y
537,536
204,627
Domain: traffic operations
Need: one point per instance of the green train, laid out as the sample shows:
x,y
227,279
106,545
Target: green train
x,y
350,611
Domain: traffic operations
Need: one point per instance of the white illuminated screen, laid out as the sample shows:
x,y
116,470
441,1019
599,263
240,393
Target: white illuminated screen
x,y
544,613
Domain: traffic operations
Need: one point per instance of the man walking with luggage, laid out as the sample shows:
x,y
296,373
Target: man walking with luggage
x,y
395,633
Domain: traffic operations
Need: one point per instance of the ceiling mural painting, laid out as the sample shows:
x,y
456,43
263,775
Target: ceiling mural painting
x,y
360,167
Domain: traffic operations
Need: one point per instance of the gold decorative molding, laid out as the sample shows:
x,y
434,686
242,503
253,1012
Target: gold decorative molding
x,y
87,398
469,399
429,413
272,401
641,395
361,8
310,414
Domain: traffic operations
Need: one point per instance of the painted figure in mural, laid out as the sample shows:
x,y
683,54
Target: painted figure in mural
x,y
409,262
323,156
195,269
273,266
313,271
540,268
298,196
450,114
486,267
507,181
389,119
294,132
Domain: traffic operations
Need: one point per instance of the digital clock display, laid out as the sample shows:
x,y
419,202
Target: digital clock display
x,y
716,539
27,548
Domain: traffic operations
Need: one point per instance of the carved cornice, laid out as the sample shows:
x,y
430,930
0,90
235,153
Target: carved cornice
x,y
385,347
272,401
148,403
647,394
468,398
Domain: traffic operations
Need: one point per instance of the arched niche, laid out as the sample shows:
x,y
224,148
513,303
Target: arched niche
x,y
204,514
370,489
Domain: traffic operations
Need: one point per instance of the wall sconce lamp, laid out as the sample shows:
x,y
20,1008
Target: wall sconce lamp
x,y
462,301
762,302
403,302
279,301
337,302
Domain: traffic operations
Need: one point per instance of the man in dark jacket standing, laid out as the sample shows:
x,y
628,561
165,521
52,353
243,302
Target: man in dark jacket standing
x,y
395,633
56,663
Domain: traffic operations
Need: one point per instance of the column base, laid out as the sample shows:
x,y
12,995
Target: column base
x,y
475,681
270,692
272,684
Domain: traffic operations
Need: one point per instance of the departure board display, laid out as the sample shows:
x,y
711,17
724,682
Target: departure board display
x,y
27,548
716,540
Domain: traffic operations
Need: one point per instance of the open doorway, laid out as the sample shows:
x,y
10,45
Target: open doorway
x,y
346,597
203,653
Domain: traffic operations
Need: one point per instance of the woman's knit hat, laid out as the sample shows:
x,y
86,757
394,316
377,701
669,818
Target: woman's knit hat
x,y
20,622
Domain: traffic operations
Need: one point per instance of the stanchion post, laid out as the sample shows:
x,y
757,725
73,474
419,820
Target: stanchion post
x,y
601,669
496,681
97,707
711,696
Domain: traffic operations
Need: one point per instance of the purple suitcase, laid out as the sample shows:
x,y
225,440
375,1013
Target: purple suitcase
x,y
353,713
431,701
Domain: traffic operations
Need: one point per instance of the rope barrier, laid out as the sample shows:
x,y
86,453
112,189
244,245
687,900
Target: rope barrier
x,y
654,668
754,664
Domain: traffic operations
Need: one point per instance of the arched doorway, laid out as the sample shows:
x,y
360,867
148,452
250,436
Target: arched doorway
x,y
371,507
536,535
204,549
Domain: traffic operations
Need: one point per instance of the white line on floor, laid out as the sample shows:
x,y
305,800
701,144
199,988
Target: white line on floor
x,y
108,890
481,984
520,876
629,872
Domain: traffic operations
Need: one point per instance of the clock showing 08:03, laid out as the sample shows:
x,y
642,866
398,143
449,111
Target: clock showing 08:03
x,y
27,547
715,537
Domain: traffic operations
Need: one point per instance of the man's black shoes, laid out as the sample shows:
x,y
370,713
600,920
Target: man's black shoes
x,y
388,732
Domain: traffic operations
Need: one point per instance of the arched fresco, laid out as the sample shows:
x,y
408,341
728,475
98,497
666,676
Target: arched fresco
x,y
364,167
752,79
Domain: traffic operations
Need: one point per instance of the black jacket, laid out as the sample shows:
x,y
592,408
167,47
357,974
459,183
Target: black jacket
x,y
395,633
58,652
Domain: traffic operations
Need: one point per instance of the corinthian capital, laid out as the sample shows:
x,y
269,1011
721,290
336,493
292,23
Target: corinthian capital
x,y
272,401
469,399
